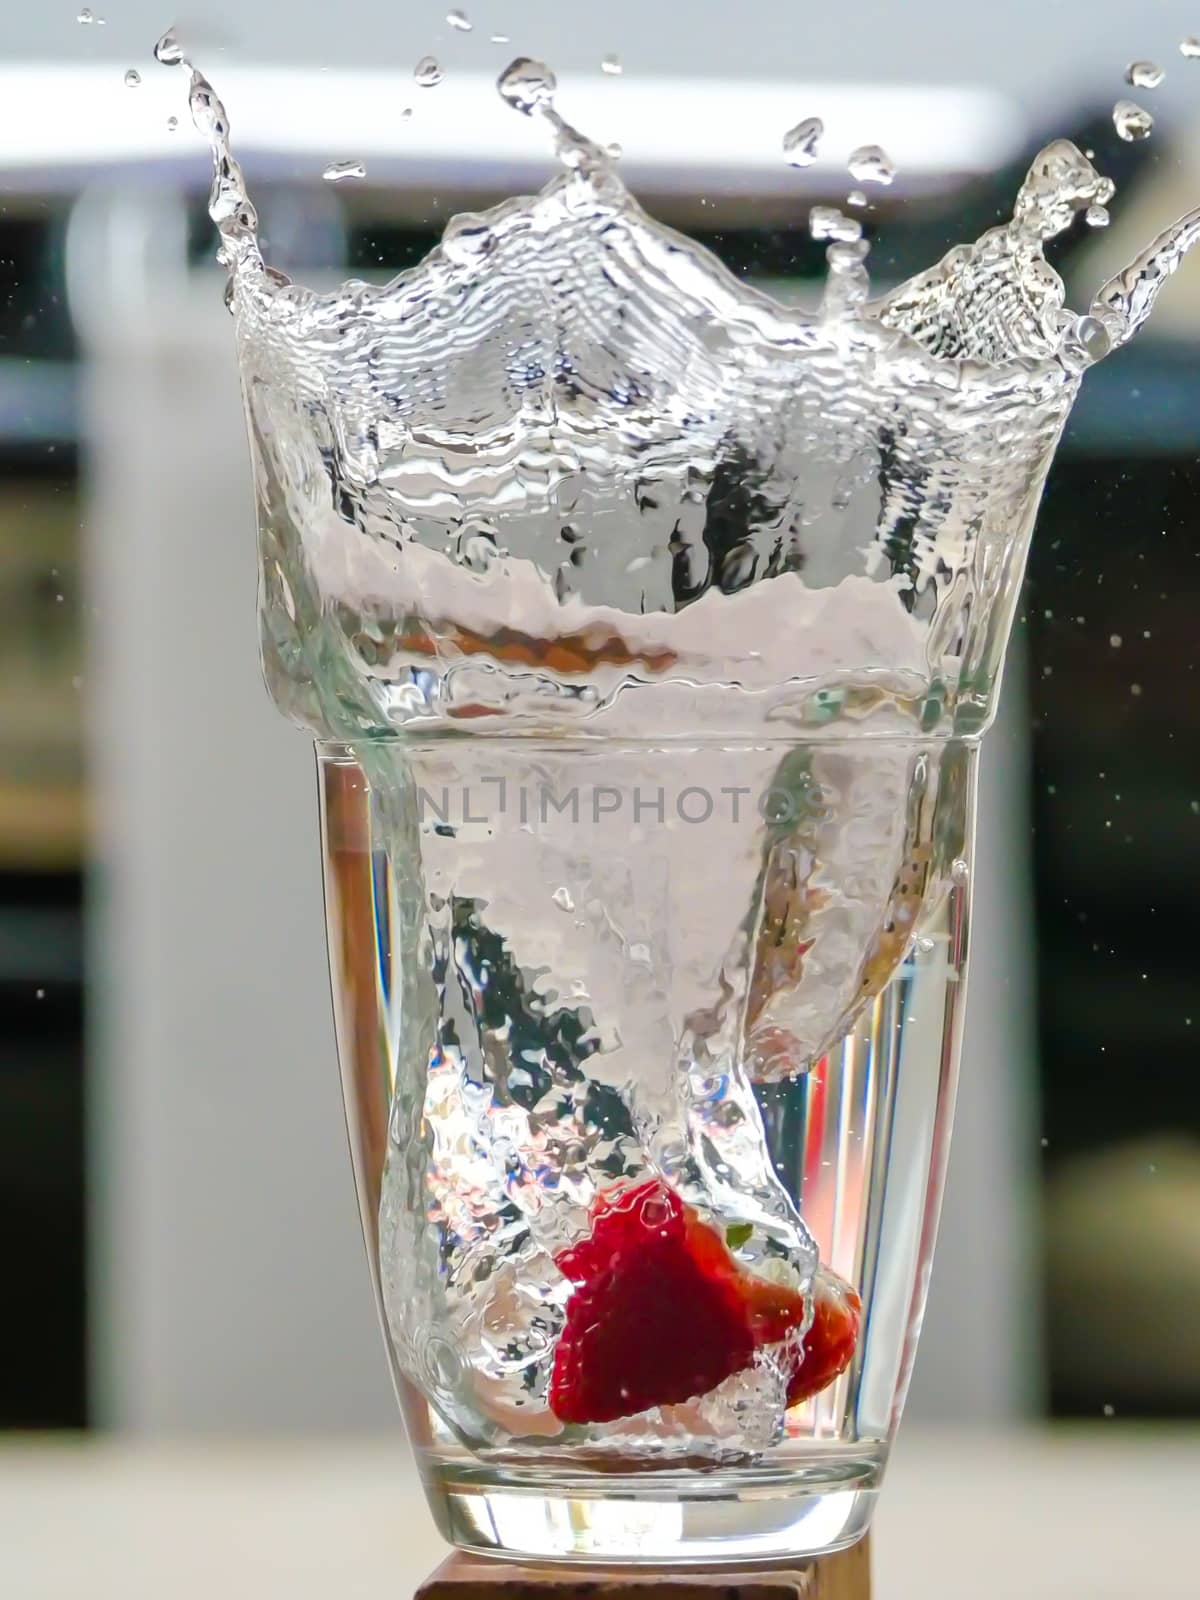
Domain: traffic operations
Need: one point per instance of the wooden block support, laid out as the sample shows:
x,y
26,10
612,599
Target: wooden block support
x,y
843,1576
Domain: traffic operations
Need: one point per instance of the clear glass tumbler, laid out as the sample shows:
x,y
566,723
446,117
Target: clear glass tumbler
x,y
719,977
647,630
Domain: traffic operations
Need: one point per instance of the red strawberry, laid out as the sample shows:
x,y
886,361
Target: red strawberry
x,y
831,1337
662,1312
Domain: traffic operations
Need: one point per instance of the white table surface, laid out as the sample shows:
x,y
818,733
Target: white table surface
x,y
1104,1512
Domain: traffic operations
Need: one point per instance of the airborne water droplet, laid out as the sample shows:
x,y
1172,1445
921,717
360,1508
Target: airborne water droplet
x,y
172,124
1097,217
800,144
1131,121
1144,74
168,52
337,170
1190,47
459,20
85,16
132,78
528,85
871,164
827,222
856,198
428,72
562,899
612,65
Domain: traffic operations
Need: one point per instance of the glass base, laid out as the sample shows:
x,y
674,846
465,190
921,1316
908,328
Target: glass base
x,y
615,1519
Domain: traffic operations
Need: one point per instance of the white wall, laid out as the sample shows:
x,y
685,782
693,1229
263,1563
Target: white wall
x,y
228,1275
1043,54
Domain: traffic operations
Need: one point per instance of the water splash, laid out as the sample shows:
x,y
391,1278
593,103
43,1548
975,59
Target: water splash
x,y
1144,74
593,348
1132,121
168,52
827,222
801,143
337,171
871,164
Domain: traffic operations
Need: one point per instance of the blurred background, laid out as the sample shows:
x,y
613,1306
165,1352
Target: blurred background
x,y
180,1238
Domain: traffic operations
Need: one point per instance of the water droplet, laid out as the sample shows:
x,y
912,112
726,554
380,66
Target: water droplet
x,y
527,85
1135,688
800,144
1097,217
172,124
614,150
1144,74
500,38
827,222
428,72
856,198
1190,47
1114,639
459,20
612,65
132,78
406,114
959,870
40,994
1045,1143
85,16
871,164
337,170
1110,1411
168,52
1131,121
562,899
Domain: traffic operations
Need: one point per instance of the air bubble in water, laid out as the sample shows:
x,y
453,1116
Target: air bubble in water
x,y
827,222
428,72
562,899
800,144
337,170
168,52
1144,74
1190,47
871,164
528,85
612,65
1131,121
132,78
459,20
1097,217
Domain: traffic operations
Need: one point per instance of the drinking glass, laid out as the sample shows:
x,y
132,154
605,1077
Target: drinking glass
x,y
647,631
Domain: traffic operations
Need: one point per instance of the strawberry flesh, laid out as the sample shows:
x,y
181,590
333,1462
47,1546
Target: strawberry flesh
x,y
661,1312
